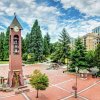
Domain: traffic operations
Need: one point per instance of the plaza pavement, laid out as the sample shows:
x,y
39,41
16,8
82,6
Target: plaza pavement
x,y
60,86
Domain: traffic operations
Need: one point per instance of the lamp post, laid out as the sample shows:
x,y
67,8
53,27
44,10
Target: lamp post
x,y
76,83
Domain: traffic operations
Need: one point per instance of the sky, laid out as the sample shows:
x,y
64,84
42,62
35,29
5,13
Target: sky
x,y
79,17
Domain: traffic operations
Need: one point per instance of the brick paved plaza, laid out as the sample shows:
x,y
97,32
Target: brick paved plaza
x,y
60,86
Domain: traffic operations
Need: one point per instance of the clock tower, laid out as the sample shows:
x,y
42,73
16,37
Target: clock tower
x,y
15,75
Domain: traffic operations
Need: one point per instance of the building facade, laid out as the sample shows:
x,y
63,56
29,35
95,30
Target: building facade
x,y
91,40
96,30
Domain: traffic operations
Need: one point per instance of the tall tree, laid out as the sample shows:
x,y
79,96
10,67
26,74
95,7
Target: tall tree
x,y
36,42
27,42
78,57
90,59
23,46
62,52
65,40
97,57
6,44
46,43
2,37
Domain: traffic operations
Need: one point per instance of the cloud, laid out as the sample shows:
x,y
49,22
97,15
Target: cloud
x,y
28,11
4,21
89,7
50,18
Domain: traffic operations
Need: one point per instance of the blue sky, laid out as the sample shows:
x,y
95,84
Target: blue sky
x,y
77,16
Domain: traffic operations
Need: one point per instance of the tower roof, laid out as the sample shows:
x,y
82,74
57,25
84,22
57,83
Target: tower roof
x,y
15,22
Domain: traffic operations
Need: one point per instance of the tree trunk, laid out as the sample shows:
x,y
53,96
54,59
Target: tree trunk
x,y
37,94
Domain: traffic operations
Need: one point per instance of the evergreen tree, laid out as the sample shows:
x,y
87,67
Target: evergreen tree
x,y
78,57
2,37
62,52
6,44
90,59
57,54
36,42
65,40
46,43
97,57
23,46
52,47
48,39
24,51
27,42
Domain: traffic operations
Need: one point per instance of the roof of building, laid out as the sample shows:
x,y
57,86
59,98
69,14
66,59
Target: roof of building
x,y
15,22
96,30
91,35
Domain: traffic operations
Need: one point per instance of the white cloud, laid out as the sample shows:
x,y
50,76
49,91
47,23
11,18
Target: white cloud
x,y
90,7
81,27
29,10
4,21
1,28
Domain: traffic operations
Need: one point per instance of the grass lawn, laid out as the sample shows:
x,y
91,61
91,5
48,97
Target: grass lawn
x,y
4,62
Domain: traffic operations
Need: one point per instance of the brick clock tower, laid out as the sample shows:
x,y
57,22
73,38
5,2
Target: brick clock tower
x,y
15,75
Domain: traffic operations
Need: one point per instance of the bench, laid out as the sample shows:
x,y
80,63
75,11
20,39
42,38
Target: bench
x,y
22,89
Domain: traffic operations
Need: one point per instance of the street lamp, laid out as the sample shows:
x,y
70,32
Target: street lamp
x,y
76,69
75,86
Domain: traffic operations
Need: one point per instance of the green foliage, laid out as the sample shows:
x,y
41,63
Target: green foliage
x,y
62,49
97,57
25,56
52,47
36,42
6,44
4,62
39,81
2,37
23,46
46,44
31,57
27,42
90,59
55,56
78,58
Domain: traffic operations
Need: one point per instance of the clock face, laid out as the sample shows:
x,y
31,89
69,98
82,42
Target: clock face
x,y
16,29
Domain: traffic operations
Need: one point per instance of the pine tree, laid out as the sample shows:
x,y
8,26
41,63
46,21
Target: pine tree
x,y
90,59
27,42
46,44
57,55
23,46
78,57
97,57
62,52
36,42
65,40
2,37
6,44
24,49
